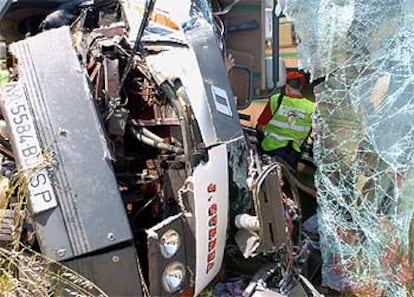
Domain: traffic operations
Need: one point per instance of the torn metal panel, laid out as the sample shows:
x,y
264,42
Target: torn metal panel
x,y
166,65
90,215
211,98
365,141
220,98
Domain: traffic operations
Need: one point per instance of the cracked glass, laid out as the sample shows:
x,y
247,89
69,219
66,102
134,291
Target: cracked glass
x,y
364,138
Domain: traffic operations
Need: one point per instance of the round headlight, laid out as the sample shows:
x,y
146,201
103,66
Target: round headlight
x,y
173,277
170,243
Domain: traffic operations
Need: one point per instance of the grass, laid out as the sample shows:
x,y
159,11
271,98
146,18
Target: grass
x,y
24,272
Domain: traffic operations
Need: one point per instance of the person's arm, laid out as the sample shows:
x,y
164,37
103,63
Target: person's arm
x,y
264,117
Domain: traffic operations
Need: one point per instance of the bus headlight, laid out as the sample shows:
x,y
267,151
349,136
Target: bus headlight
x,y
170,243
173,277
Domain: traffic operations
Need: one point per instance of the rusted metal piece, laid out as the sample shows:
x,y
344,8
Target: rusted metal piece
x,y
148,92
270,210
110,32
97,78
111,74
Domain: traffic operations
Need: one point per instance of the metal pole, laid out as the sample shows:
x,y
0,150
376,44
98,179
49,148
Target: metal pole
x,y
275,54
275,45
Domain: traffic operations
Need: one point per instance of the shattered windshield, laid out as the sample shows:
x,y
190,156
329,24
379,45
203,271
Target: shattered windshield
x,y
364,138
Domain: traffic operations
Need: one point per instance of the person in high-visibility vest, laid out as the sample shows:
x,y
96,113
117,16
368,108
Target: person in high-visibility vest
x,y
286,121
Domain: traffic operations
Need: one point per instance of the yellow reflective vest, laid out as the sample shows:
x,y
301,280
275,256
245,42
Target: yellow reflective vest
x,y
292,121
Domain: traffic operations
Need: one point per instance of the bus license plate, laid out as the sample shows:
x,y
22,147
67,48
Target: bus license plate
x,y
26,146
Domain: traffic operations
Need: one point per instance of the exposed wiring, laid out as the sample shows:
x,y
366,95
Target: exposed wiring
x,y
149,7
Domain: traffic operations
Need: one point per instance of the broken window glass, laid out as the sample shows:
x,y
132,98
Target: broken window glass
x,y
364,127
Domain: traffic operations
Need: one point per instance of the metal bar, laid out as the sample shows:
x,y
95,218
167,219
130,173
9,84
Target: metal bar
x,y
275,53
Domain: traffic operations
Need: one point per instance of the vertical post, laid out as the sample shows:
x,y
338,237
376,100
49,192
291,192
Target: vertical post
x,y
275,45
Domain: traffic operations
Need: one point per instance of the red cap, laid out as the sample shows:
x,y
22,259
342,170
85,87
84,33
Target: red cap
x,y
296,75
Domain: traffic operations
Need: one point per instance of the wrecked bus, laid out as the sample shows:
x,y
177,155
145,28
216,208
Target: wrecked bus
x,y
134,170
